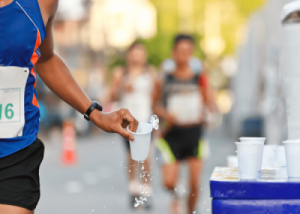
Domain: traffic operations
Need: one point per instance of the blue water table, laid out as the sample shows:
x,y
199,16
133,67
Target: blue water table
x,y
272,192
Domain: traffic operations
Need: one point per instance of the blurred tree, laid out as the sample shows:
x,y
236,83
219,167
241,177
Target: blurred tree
x,y
223,31
175,15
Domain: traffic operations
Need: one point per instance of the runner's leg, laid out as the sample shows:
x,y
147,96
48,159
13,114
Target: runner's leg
x,y
170,175
131,168
147,166
195,167
8,209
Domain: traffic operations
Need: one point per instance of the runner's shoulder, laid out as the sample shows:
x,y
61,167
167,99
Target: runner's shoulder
x,y
48,7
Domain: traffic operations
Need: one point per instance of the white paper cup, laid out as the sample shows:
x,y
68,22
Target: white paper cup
x,y
269,158
232,161
139,148
260,140
280,156
292,155
249,156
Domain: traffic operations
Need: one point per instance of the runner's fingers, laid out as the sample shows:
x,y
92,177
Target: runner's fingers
x,y
125,133
133,123
136,124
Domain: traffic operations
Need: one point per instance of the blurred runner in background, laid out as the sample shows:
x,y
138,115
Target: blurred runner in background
x,y
133,86
180,99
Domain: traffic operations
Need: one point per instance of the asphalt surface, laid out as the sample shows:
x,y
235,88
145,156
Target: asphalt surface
x,y
98,182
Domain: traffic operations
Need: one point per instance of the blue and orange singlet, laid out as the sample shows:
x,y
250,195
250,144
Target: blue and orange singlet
x,y
22,31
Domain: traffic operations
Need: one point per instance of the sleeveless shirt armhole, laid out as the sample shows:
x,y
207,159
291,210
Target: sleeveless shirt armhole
x,y
43,27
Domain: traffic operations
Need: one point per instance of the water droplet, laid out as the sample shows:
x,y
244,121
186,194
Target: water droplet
x,y
136,204
142,193
146,191
194,212
207,210
129,170
92,210
156,158
104,207
145,179
154,121
143,167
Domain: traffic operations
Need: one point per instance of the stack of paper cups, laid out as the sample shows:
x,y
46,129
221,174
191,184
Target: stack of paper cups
x,y
259,140
269,158
292,155
280,156
249,158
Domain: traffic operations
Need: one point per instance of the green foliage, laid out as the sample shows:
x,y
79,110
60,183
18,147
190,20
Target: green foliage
x,y
160,46
233,18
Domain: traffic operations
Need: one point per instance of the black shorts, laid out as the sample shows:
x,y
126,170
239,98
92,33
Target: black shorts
x,y
19,176
180,143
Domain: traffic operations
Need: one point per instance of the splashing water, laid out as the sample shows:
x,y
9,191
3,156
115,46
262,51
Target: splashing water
x,y
143,188
154,121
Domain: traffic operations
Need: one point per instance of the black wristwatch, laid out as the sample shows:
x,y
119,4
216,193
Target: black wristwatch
x,y
94,106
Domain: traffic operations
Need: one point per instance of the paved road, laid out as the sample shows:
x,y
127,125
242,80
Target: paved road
x,y
98,183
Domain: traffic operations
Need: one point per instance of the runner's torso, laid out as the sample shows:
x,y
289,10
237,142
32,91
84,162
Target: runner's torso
x,y
21,32
139,100
182,98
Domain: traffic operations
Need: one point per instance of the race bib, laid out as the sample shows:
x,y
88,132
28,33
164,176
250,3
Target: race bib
x,y
186,107
12,91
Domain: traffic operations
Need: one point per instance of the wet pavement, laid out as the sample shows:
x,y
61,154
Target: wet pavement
x,y
98,182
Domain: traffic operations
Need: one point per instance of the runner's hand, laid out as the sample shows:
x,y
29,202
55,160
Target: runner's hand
x,y
115,122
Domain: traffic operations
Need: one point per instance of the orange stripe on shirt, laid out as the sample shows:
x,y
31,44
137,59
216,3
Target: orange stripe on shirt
x,y
34,101
34,59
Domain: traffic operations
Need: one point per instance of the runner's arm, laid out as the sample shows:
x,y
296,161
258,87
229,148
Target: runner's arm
x,y
158,108
207,92
116,84
56,75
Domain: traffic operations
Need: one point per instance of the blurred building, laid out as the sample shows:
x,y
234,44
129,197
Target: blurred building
x,y
258,85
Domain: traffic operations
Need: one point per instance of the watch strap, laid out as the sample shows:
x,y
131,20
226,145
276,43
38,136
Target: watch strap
x,y
95,105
